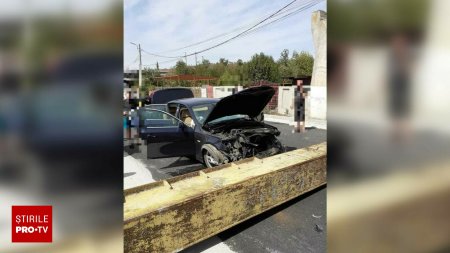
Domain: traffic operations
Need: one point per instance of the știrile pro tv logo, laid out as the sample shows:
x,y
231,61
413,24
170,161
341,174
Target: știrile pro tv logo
x,y
31,223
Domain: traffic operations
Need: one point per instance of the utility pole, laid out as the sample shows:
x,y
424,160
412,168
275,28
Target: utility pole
x,y
140,70
157,73
196,59
185,58
140,67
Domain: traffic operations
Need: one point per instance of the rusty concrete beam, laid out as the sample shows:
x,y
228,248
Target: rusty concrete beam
x,y
171,215
403,211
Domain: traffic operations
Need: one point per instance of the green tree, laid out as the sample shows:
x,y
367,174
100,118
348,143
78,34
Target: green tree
x,y
301,64
229,79
206,62
262,67
148,80
284,57
223,61
181,68
217,70
202,69
283,64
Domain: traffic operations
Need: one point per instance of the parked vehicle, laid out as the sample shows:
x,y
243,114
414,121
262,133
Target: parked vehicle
x,y
212,131
166,95
158,99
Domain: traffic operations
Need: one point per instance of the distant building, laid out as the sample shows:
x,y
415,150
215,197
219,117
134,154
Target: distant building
x,y
164,72
131,75
131,78
133,91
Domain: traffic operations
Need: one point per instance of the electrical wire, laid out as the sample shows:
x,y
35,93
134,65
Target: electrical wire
x,y
226,33
303,8
154,64
254,28
228,40
236,36
131,62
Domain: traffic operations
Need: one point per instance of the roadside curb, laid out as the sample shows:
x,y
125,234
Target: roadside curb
x,y
317,123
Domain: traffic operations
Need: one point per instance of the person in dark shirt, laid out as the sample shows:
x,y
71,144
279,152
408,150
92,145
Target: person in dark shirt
x,y
399,86
147,100
126,118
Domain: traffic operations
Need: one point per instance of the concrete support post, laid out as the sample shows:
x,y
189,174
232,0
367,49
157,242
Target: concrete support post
x,y
318,99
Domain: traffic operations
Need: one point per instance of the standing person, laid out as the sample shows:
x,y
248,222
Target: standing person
x,y
126,115
399,87
148,99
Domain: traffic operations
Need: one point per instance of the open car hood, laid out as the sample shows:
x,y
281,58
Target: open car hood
x,y
249,102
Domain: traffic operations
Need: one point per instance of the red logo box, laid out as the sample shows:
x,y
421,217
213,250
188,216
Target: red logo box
x,y
31,223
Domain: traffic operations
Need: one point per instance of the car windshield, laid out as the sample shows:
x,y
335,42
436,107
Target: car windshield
x,y
202,111
227,118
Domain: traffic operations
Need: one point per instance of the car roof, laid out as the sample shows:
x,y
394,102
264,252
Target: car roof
x,y
166,95
195,101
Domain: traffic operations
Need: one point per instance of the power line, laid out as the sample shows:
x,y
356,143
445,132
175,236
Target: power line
x,y
162,62
248,31
131,62
310,4
224,34
205,40
228,40
157,55
236,36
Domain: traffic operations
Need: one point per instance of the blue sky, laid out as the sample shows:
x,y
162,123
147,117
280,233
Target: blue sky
x,y
163,25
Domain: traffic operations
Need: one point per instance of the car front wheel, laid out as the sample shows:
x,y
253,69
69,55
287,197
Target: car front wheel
x,y
211,156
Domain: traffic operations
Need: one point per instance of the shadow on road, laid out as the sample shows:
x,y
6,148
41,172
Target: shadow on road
x,y
267,221
287,148
182,166
251,222
185,170
132,149
181,162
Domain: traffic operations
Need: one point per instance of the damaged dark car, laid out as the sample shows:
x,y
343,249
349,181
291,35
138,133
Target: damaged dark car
x,y
212,131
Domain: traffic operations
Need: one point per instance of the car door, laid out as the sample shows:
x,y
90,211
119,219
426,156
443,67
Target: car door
x,y
165,135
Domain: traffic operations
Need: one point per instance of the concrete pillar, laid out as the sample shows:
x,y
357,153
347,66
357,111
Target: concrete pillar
x,y
318,94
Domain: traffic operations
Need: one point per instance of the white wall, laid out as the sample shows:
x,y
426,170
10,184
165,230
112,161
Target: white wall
x,y
134,92
223,91
203,92
286,100
317,102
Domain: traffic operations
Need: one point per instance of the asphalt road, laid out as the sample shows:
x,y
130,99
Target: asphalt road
x,y
296,226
